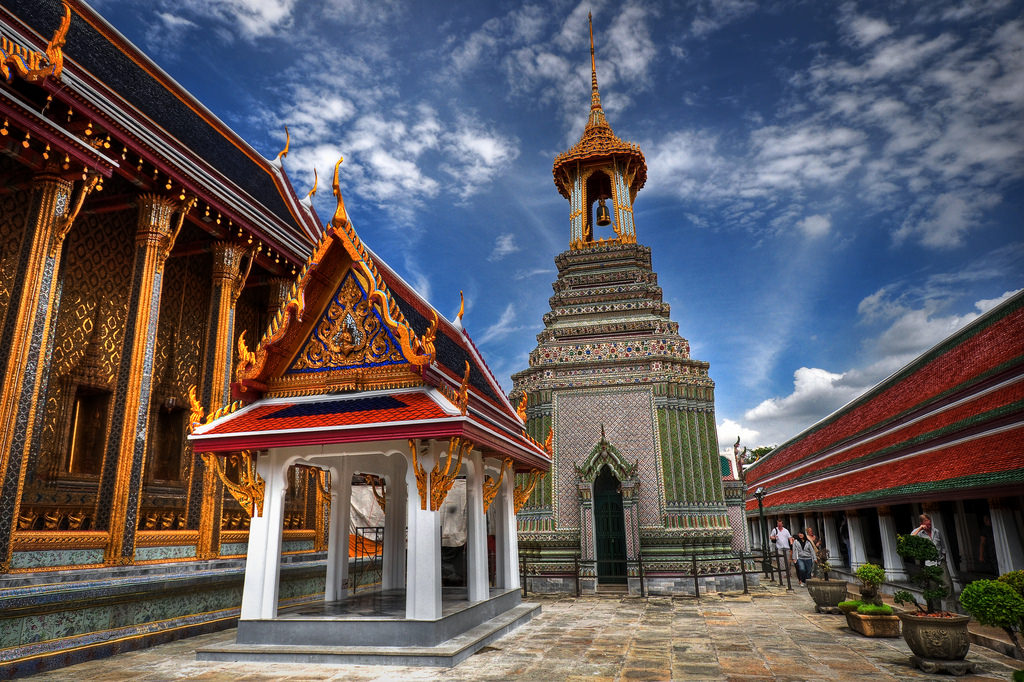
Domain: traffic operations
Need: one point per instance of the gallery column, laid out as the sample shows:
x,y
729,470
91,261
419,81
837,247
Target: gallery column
x,y
206,492
423,581
121,478
476,530
894,569
1006,536
25,335
835,556
857,556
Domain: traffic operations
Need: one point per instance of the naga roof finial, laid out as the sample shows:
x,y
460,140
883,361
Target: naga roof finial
x,y
340,215
287,144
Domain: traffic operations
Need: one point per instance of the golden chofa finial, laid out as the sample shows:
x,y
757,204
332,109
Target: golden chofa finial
x,y
462,310
284,152
316,180
340,216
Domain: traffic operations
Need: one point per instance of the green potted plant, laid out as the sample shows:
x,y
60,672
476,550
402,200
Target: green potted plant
x,y
938,638
826,593
871,617
999,603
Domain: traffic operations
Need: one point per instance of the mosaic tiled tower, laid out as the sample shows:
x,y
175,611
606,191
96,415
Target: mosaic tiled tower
x,y
636,468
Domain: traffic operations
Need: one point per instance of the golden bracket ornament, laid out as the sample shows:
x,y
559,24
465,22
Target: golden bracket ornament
x,y
439,482
521,409
240,278
548,442
65,222
380,496
521,493
492,485
183,210
458,397
249,489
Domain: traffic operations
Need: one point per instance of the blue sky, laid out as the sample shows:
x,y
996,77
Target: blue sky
x,y
832,187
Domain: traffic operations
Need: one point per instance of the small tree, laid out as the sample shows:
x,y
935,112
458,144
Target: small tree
x,y
931,577
998,604
871,577
823,566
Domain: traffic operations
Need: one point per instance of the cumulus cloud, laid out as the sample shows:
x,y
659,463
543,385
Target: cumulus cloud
x,y
912,325
918,119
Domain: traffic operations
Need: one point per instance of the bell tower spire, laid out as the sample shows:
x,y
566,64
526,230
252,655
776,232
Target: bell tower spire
x,y
600,167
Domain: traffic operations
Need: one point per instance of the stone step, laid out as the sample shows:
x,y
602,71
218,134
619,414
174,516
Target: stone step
x,y
446,654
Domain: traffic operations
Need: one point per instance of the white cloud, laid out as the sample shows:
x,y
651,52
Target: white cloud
x,y
814,226
503,327
867,30
505,244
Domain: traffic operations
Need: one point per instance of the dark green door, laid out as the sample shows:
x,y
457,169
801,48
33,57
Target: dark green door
x,y
609,529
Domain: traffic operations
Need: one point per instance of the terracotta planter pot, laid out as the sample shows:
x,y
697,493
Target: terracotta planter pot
x,y
873,626
942,639
826,594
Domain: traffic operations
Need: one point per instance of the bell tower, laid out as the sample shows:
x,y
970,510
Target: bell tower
x,y
635,474
598,170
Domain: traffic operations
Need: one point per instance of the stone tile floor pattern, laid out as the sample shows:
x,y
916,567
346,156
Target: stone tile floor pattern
x,y
770,634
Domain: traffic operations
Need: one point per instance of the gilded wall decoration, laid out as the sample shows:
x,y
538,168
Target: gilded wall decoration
x,y
350,333
13,209
89,329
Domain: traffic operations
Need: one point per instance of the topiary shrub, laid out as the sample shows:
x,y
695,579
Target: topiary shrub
x,y
931,578
850,605
822,566
998,604
1014,579
874,610
871,577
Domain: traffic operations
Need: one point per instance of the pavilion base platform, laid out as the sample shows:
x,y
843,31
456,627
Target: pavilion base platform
x,y
367,629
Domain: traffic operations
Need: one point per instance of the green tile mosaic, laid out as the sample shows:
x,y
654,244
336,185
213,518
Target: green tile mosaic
x,y
169,552
56,557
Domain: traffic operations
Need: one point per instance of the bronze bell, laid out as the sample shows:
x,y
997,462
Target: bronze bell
x,y
603,216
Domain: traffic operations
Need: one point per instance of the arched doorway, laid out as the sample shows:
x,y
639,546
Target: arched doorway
x,y
609,529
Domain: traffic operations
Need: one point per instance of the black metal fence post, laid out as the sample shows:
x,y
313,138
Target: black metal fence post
x,y
522,572
576,572
743,572
640,570
696,580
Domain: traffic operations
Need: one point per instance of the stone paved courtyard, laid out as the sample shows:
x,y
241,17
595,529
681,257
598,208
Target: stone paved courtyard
x,y
769,634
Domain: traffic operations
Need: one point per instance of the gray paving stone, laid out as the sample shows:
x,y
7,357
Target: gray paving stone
x,y
770,634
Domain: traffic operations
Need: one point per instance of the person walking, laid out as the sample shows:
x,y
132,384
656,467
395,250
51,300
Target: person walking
x,y
803,557
926,530
783,542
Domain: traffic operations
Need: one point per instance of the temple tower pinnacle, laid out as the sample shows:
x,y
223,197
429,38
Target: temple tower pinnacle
x,y
598,168
636,471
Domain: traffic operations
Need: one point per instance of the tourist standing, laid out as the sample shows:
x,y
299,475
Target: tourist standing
x,y
926,530
803,557
783,542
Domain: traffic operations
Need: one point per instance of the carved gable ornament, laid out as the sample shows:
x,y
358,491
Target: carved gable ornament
x,y
349,334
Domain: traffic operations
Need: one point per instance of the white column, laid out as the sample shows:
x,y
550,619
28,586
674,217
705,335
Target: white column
x,y
1006,534
857,556
894,568
263,561
476,530
338,530
506,541
256,555
395,505
968,542
423,573
835,555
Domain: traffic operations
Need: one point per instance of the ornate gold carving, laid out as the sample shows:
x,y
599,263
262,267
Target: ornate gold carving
x,y
521,493
381,496
492,485
439,482
458,397
548,442
89,539
349,334
33,65
65,222
521,408
249,489
462,307
183,210
316,181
